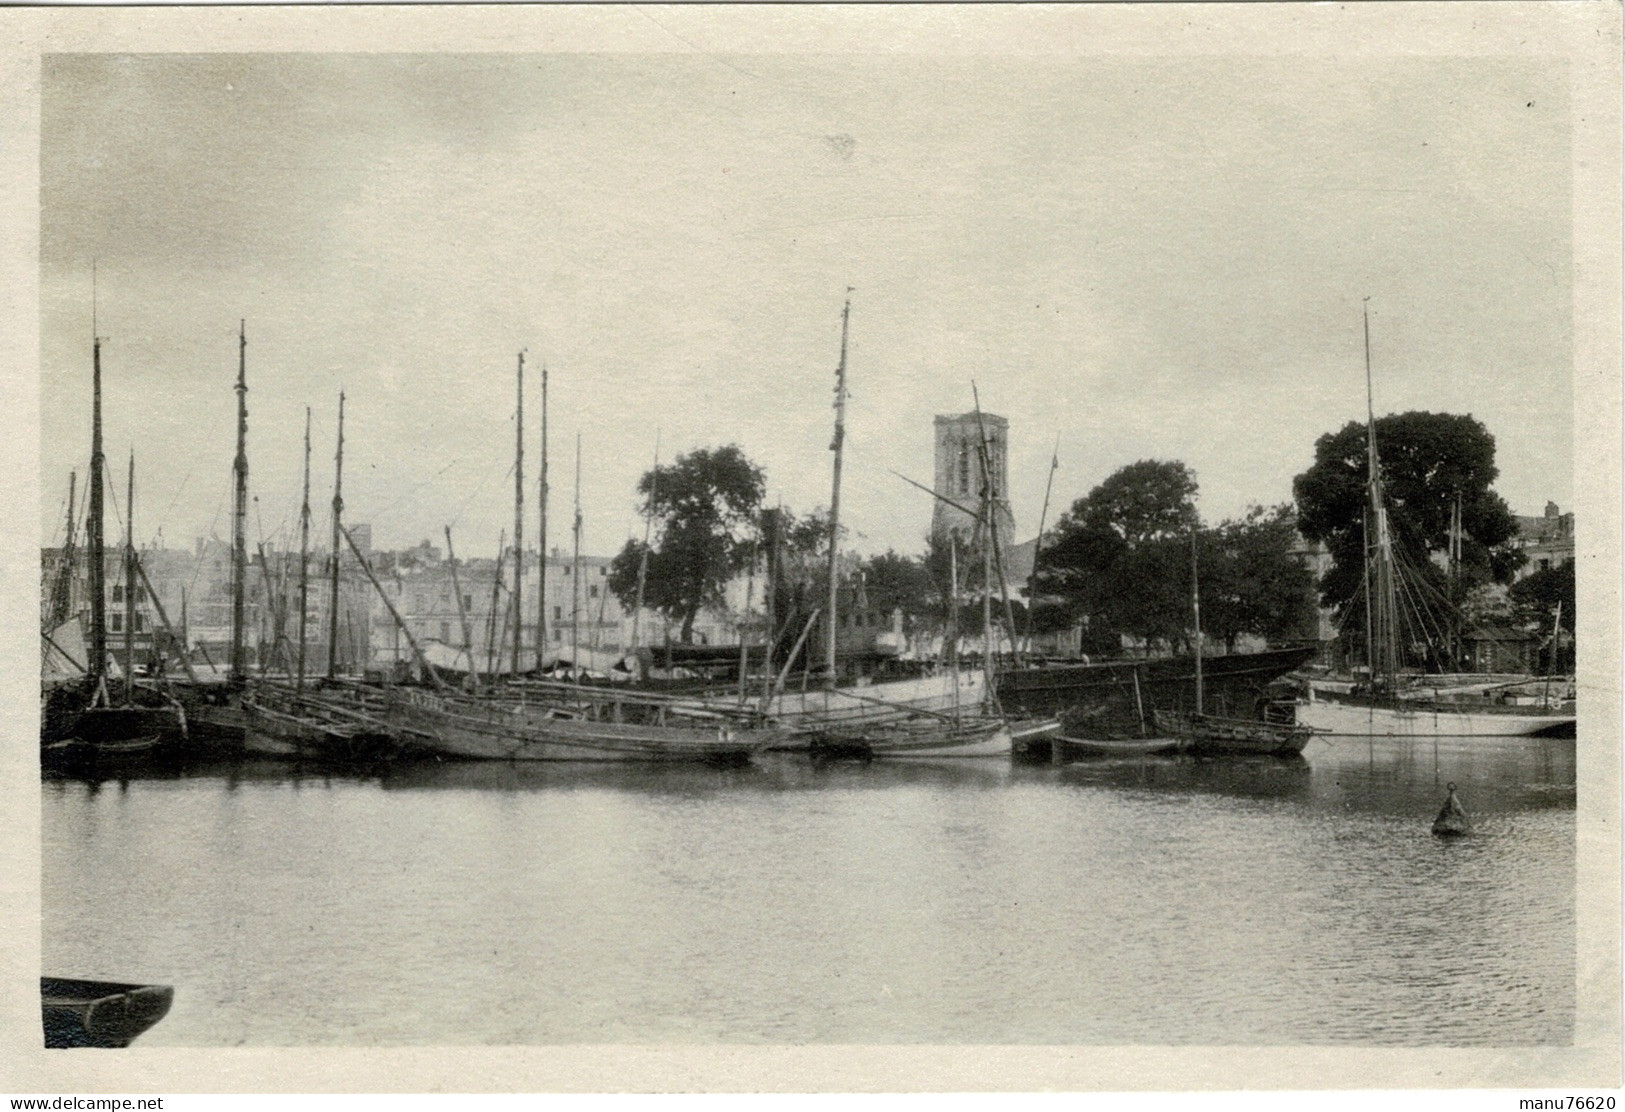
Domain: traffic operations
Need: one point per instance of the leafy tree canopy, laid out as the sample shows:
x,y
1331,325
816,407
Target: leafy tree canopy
x,y
1252,580
703,507
1120,557
894,582
796,553
1535,604
1428,460
1148,500
1535,599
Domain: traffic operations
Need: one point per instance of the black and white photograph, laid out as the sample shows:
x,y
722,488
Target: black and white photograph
x,y
648,549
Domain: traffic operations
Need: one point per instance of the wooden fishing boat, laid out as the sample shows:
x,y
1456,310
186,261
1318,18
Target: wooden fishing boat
x,y
79,720
1366,713
941,714
968,736
1385,705
1053,687
851,708
1208,733
287,723
472,728
1070,745
104,1014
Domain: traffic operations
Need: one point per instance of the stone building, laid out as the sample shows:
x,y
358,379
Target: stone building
x,y
1547,541
958,475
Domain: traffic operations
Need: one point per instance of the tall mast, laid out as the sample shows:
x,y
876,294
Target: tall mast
x,y
61,603
1454,610
769,601
985,454
953,613
239,506
129,587
462,610
93,529
1196,621
1551,657
835,495
304,556
1382,648
987,586
492,649
750,591
519,519
1038,544
541,548
643,557
575,574
338,515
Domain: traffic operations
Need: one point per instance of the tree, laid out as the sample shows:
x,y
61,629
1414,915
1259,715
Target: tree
x,y
1251,581
704,507
894,582
1429,460
1535,601
796,551
1120,557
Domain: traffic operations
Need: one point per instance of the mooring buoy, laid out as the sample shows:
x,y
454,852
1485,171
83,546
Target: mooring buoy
x,y
1453,821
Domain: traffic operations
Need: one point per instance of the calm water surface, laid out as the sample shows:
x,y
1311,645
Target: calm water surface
x,y
1140,901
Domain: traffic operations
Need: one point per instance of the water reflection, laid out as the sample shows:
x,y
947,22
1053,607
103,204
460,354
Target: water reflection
x,y
1379,774
1155,900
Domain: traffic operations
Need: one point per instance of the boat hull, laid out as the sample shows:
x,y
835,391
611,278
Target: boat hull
x,y
1209,734
302,727
1363,716
503,731
102,1014
113,734
853,709
1067,745
1057,688
984,740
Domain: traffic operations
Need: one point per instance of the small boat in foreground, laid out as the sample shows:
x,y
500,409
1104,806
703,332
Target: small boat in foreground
x,y
103,1014
1208,733
1070,746
970,736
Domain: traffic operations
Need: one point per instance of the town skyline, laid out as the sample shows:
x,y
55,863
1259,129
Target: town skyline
x,y
402,227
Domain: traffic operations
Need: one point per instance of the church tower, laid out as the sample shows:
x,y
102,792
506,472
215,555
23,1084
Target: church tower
x,y
959,474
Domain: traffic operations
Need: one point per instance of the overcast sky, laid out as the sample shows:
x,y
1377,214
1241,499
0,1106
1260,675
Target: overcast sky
x,y
1143,258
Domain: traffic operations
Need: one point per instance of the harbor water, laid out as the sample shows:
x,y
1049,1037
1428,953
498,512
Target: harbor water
x,y
1132,901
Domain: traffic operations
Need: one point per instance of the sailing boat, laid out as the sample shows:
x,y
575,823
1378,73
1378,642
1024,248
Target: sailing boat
x,y
1083,692
81,722
923,716
296,721
1386,708
1207,733
531,720
216,707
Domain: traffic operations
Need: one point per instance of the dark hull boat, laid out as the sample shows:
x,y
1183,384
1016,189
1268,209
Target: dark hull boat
x,y
103,1014
1067,745
483,728
80,724
1208,733
74,733
1050,689
290,724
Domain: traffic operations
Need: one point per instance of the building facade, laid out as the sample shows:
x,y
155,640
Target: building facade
x,y
958,475
1547,541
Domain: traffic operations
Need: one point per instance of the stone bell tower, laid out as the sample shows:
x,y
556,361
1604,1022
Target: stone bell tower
x,y
959,474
